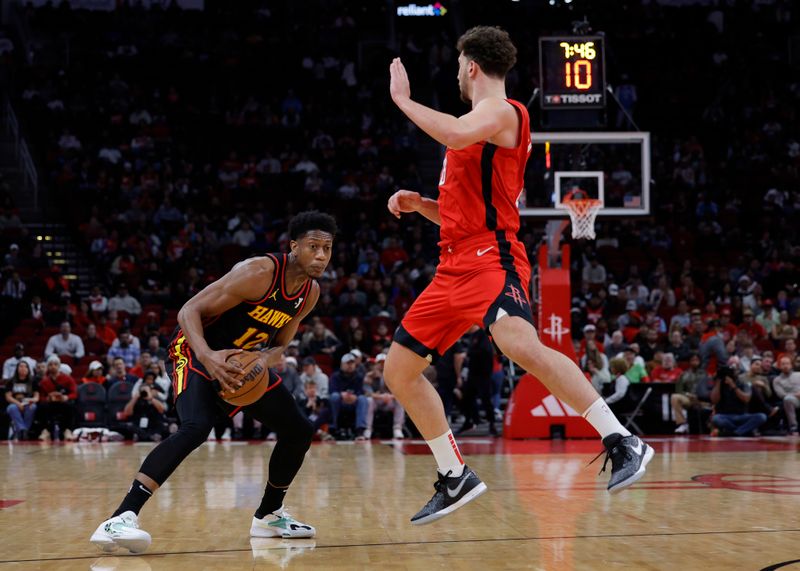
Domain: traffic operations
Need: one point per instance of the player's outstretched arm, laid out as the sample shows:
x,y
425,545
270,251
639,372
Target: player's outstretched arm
x,y
489,117
244,282
410,201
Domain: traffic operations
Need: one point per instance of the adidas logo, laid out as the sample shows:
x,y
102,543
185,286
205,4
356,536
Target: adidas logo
x,y
551,406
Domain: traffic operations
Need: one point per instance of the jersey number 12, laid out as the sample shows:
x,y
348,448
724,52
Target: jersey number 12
x,y
245,342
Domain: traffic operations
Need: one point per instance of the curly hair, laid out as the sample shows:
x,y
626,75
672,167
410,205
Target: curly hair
x,y
491,48
309,220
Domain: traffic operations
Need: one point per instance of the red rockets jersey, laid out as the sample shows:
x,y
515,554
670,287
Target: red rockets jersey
x,y
480,185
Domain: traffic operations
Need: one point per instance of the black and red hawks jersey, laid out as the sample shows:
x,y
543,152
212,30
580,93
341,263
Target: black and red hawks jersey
x,y
250,325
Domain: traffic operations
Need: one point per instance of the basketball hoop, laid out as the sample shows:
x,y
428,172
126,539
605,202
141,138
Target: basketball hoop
x,y
582,212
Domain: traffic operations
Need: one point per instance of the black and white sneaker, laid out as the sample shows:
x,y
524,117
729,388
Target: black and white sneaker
x,y
629,456
451,494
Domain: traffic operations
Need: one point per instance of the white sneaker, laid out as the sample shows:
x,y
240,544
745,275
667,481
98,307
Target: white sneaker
x,y
44,436
121,531
397,434
226,435
68,435
280,524
272,437
682,429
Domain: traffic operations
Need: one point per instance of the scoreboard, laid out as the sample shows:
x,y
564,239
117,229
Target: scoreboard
x,y
572,72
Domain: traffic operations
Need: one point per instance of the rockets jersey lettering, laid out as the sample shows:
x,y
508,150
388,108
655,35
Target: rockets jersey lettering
x,y
480,185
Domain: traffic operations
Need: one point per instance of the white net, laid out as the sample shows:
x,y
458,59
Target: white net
x,y
582,212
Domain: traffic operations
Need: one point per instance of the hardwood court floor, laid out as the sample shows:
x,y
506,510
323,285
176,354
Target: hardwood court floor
x,y
705,504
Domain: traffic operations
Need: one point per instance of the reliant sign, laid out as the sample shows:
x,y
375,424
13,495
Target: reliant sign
x,y
415,10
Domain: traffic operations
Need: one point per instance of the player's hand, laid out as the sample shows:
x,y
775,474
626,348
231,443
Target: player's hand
x,y
404,201
399,86
218,367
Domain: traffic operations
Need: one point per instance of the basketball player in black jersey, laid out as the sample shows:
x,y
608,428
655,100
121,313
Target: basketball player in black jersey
x,y
259,303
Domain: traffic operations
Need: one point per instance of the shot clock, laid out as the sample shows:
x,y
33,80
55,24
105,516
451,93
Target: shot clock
x,y
572,72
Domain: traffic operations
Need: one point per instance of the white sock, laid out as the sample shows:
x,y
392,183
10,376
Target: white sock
x,y
603,420
445,450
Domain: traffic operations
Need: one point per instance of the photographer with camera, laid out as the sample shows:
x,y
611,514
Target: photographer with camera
x,y
146,409
730,398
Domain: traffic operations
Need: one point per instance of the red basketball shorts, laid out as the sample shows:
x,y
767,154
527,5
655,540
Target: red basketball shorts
x,y
478,281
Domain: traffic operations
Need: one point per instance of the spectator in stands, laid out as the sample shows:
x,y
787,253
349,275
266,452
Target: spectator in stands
x,y
636,370
352,301
142,364
789,350
15,288
347,393
762,391
57,394
125,348
65,343
678,347
97,301
94,374
319,340
769,316
663,296
595,365
650,345
594,274
616,346
92,344
287,371
590,335
316,409
22,396
382,400
783,330
312,372
730,398
106,332
621,382
768,365
729,330
118,372
631,316
382,305
667,372
751,327
691,390
787,388
682,315
37,309
10,364
154,347
146,409
124,301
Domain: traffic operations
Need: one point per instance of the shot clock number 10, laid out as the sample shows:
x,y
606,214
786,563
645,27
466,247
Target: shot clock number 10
x,y
572,72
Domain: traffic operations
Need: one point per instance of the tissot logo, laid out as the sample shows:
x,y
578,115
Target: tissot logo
x,y
414,10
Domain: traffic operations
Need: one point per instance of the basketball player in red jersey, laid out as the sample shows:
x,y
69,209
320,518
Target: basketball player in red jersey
x,y
258,304
483,272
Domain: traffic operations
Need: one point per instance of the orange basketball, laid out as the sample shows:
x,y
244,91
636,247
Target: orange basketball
x,y
254,377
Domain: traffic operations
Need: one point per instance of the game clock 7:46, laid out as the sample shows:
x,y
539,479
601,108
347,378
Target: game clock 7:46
x,y
572,72
585,50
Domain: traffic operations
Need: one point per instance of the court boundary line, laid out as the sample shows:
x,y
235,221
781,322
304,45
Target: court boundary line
x,y
398,543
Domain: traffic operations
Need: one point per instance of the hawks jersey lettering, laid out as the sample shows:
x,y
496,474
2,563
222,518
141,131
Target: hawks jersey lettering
x,y
249,325
480,185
